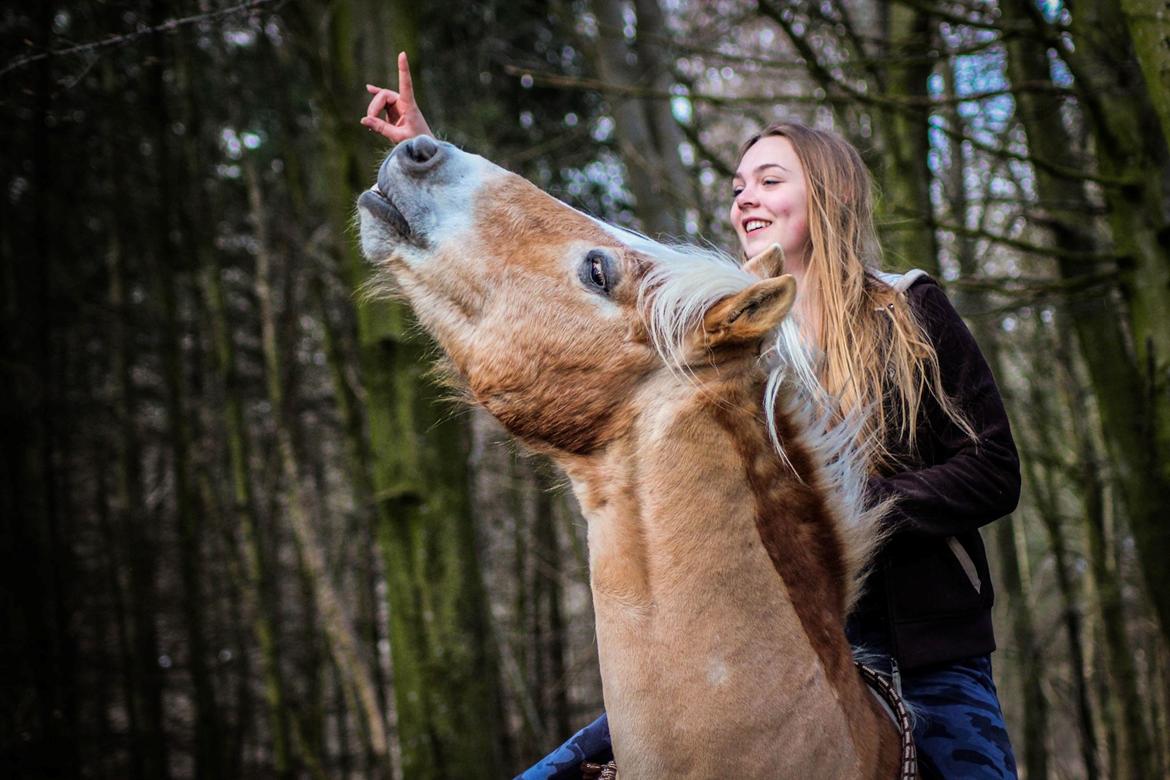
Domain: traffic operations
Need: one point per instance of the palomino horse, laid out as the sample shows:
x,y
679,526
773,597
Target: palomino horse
x,y
726,532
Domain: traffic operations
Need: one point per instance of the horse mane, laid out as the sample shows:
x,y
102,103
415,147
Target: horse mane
x,y
681,285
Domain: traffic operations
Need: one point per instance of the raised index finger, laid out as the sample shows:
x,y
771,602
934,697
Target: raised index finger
x,y
405,87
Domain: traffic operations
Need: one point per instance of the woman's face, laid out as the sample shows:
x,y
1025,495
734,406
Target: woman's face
x,y
770,204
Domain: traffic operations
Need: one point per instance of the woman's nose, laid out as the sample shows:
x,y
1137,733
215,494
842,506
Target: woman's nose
x,y
745,198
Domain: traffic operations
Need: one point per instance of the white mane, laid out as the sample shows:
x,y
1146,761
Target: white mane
x,y
683,284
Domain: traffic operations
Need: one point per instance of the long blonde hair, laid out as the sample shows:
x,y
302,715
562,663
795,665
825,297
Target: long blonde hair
x,y
876,358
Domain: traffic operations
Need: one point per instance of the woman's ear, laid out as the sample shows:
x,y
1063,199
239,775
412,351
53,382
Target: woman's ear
x,y
750,314
768,263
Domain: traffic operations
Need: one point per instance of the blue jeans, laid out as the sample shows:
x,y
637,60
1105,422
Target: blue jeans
x,y
959,728
591,743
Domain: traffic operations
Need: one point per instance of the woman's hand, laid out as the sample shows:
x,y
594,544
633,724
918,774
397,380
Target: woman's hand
x,y
403,119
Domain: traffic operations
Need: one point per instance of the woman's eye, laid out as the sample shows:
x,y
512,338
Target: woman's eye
x,y
736,190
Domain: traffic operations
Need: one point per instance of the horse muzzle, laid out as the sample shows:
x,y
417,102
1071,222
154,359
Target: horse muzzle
x,y
419,197
425,197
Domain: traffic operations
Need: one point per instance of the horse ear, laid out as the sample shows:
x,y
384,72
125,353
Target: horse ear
x,y
750,314
768,263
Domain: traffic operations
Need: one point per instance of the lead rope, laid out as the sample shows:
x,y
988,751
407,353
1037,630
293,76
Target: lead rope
x,y
893,699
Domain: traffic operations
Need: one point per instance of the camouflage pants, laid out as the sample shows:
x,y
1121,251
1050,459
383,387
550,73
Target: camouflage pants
x,y
959,728
591,743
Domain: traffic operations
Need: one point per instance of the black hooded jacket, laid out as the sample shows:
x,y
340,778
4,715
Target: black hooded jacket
x,y
929,593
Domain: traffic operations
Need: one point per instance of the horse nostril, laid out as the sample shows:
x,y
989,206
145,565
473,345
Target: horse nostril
x,y
419,153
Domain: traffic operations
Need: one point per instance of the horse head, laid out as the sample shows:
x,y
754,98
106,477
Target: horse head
x,y
551,317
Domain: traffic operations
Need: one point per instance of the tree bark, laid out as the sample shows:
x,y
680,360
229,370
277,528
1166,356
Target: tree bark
x,y
974,304
129,517
1148,22
904,210
357,449
547,592
208,736
255,564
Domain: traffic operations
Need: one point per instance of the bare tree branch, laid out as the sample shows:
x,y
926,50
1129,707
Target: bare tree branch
x,y
974,19
598,85
1025,246
169,25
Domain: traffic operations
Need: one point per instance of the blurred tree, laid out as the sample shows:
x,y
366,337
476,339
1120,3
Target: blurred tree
x,y
1148,23
626,56
166,259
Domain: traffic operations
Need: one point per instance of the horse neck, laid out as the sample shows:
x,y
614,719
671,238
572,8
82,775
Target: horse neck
x,y
706,550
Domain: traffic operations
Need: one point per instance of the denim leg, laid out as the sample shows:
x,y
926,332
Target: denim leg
x,y
959,729
591,743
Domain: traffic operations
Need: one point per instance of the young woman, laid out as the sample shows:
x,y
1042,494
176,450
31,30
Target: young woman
x,y
936,428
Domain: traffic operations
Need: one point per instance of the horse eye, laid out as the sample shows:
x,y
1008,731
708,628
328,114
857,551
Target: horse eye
x,y
598,271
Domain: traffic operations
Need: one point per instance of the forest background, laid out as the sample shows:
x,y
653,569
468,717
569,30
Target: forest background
x,y
244,534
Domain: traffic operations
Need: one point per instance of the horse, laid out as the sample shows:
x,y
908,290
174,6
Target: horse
x,y
727,529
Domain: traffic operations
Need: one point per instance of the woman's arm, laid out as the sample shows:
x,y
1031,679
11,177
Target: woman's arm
x,y
403,119
965,484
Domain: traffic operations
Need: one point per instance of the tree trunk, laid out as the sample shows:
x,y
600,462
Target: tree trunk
x,y
646,133
446,681
131,527
1042,484
358,452
1132,758
1034,704
208,738
904,210
521,645
1148,23
1155,685
244,515
973,304
547,592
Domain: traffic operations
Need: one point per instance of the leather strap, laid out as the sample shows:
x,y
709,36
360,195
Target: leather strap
x,y
908,770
